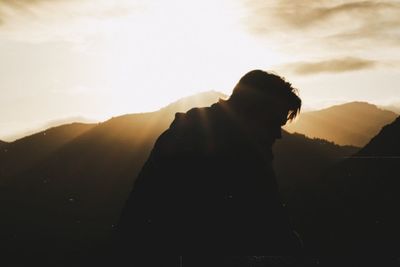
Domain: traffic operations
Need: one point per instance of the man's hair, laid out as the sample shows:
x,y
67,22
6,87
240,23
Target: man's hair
x,y
258,84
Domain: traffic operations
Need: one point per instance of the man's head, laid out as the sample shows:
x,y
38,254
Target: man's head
x,y
266,102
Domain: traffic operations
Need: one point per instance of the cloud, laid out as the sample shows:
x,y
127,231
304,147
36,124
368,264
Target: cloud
x,y
331,66
342,23
10,7
72,21
20,4
311,13
65,9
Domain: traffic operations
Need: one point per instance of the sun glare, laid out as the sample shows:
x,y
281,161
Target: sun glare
x,y
173,49
101,59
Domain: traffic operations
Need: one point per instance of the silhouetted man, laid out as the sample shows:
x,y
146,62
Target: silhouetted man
x,y
209,185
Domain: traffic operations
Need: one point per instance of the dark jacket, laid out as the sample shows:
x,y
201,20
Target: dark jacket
x,y
206,185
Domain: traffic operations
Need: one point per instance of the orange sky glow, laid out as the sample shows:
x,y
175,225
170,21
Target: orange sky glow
x,y
94,59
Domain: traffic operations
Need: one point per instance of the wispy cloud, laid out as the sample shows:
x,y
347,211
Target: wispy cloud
x,y
19,4
317,11
300,15
65,8
346,31
341,23
8,8
37,21
331,66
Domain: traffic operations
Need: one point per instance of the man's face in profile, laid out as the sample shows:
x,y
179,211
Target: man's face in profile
x,y
266,123
271,127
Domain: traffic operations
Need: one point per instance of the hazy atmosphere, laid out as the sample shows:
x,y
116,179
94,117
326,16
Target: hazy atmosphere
x,y
132,126
91,60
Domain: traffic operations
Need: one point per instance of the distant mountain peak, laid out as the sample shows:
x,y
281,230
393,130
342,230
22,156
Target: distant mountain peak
x,y
395,107
202,99
51,124
353,123
58,129
361,105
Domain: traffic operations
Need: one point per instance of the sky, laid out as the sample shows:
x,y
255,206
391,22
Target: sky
x,y
93,59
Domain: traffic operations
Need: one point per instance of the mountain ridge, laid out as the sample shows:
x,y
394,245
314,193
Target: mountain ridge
x,y
394,107
77,190
40,145
353,123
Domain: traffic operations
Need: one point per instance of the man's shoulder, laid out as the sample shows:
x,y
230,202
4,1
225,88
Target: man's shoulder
x,y
192,119
187,127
